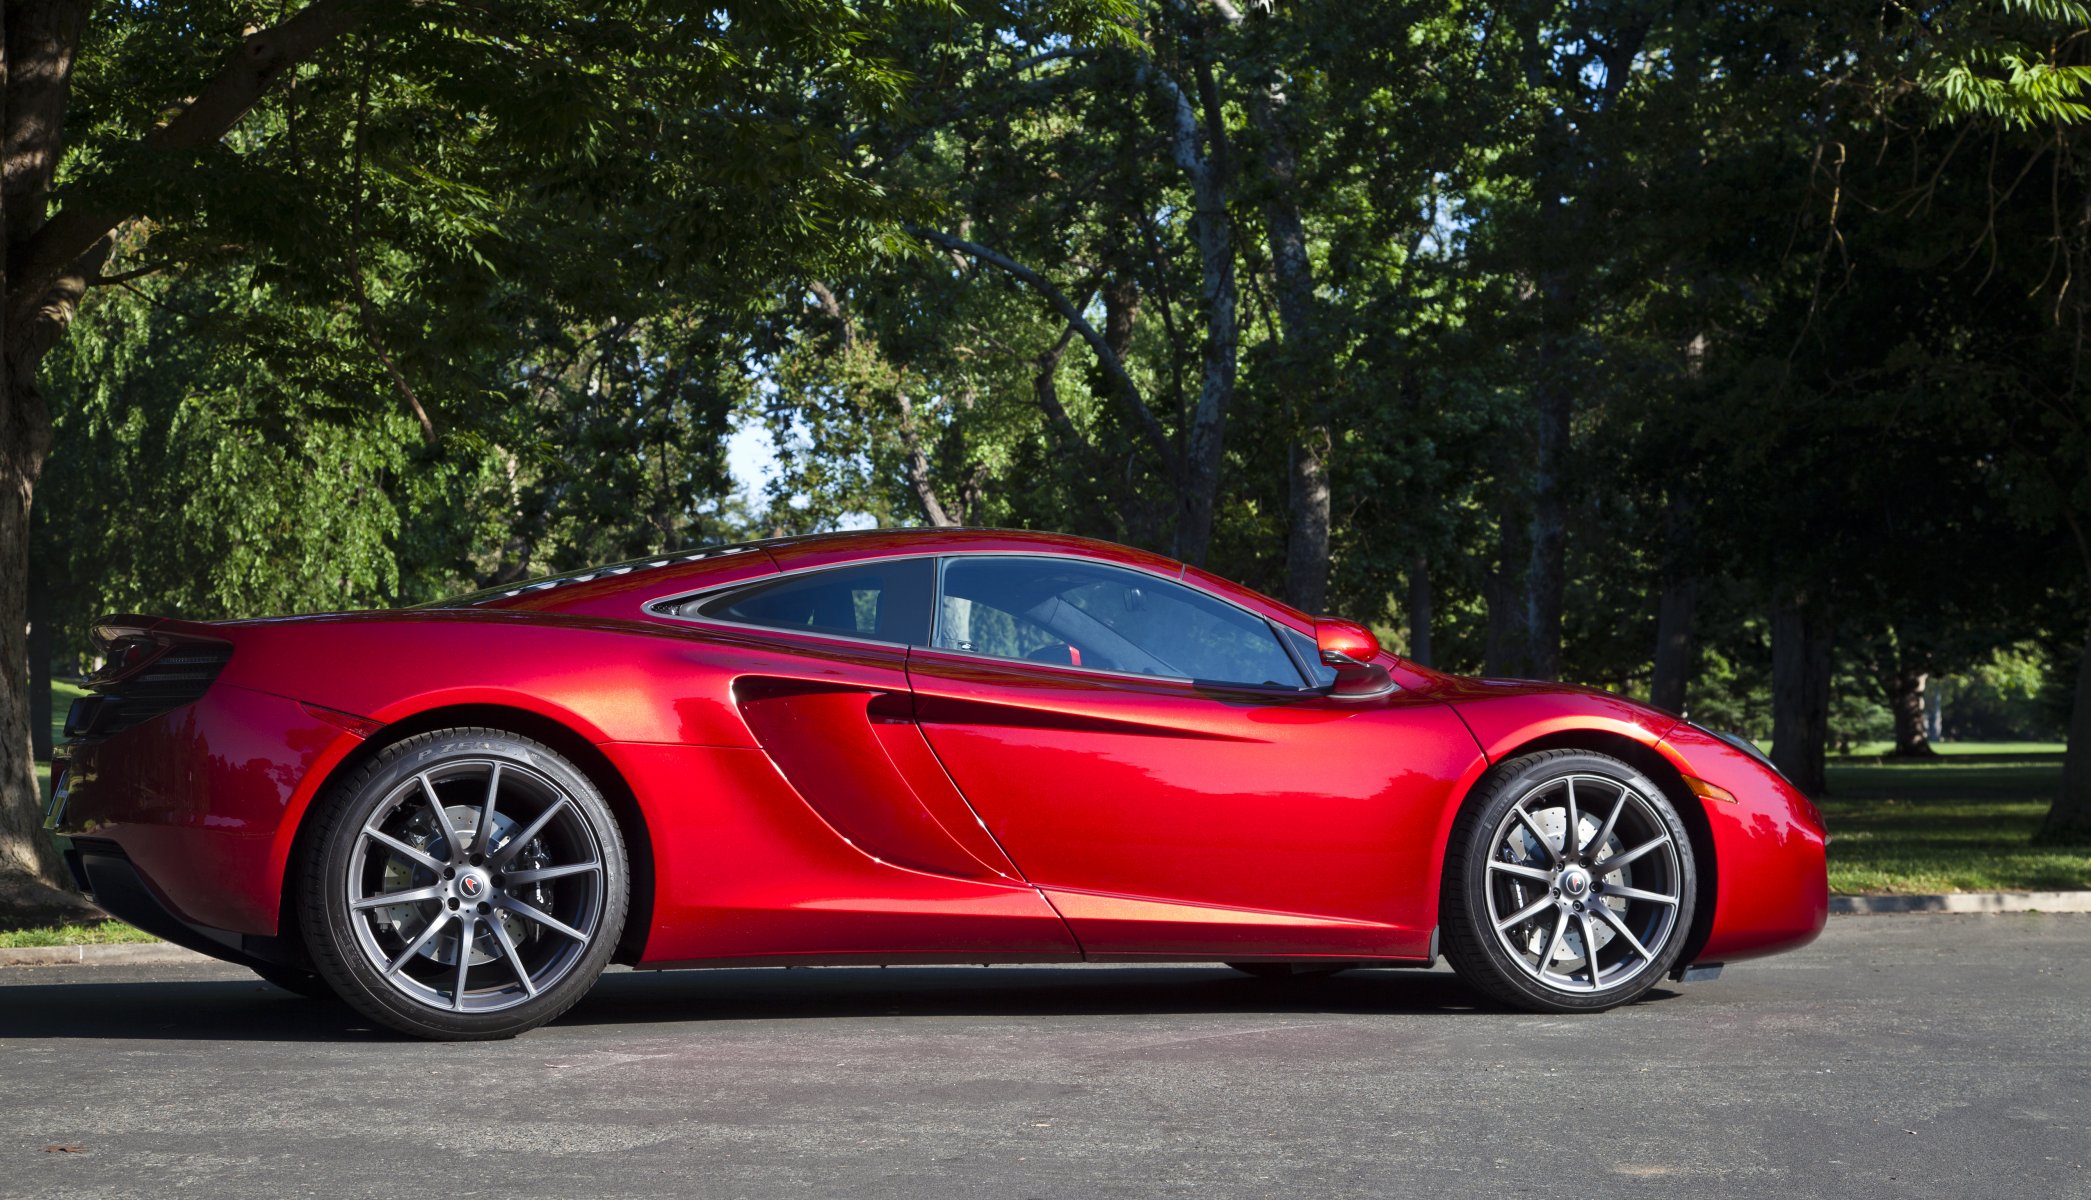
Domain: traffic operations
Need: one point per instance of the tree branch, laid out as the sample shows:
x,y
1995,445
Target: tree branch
x,y
365,308
218,106
918,463
126,276
1128,391
832,308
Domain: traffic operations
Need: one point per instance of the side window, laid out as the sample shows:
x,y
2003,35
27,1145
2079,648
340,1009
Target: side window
x,y
1320,672
884,601
1106,618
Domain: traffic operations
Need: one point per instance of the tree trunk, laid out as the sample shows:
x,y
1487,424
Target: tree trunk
x,y
1677,609
1906,687
1504,654
49,257
1420,604
1307,544
1206,439
2069,817
31,878
1198,143
1801,688
40,648
1307,539
1676,649
1546,583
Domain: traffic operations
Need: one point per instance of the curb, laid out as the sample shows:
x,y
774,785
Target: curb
x,y
1962,902
120,954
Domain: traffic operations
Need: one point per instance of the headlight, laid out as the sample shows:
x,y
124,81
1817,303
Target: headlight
x,y
1746,746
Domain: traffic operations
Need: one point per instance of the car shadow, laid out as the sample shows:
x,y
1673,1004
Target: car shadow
x,y
244,1010
228,1010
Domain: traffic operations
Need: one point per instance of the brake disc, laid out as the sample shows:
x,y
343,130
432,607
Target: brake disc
x,y
409,920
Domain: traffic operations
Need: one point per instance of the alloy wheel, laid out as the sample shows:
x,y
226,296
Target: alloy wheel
x,y
1584,883
475,885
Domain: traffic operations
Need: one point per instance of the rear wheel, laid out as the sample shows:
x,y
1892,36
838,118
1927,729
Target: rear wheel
x,y
1569,884
467,884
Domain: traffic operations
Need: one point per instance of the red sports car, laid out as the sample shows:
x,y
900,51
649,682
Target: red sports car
x,y
898,747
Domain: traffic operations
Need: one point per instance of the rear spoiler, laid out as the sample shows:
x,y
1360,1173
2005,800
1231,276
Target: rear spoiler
x,y
109,630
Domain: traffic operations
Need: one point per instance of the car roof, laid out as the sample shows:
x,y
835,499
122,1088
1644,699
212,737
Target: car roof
x,y
607,589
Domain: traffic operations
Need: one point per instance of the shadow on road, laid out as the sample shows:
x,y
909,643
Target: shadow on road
x,y
239,1010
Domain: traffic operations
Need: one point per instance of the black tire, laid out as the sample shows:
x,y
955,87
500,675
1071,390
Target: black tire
x,y
1485,873
1280,970
292,979
517,972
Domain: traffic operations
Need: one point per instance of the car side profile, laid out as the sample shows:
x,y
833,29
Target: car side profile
x,y
930,746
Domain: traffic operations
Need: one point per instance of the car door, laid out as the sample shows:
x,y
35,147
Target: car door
x,y
1152,757
902,864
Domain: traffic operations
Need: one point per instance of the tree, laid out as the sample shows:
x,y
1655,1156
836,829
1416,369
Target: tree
x,y
393,171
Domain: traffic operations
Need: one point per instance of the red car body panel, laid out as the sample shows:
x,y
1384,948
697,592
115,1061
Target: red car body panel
x,y
808,798
1771,887
1140,787
205,799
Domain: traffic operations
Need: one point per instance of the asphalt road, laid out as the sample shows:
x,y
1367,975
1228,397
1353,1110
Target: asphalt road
x,y
1898,1056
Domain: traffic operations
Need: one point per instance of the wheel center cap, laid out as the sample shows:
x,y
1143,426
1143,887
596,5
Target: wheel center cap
x,y
473,885
1574,882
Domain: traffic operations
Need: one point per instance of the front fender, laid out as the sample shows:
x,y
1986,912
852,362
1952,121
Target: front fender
x,y
1772,887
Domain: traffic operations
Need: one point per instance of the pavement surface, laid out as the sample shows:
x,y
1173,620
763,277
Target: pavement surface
x,y
1928,1055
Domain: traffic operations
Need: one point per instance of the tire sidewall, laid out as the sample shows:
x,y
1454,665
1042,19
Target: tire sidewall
x,y
1474,949
323,885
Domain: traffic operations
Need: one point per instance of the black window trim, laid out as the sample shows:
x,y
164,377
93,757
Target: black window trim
x,y
663,606
660,606
1306,686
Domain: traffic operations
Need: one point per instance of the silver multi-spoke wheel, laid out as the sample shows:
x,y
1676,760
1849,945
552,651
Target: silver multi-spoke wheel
x,y
1584,883
467,883
1571,883
475,885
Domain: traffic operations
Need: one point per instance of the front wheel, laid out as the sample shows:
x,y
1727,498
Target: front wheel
x,y
1569,884
467,884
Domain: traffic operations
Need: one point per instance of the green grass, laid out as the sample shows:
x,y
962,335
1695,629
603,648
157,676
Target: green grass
x,y
62,696
105,934
2021,751
1962,822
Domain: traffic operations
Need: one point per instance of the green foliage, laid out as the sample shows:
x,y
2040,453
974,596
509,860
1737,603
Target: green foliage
x,y
2009,66
470,296
187,483
1808,277
2011,695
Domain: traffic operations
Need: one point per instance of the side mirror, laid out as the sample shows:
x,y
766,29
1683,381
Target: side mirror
x,y
1351,648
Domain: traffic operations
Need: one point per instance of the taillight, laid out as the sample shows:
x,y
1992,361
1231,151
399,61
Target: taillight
x,y
142,677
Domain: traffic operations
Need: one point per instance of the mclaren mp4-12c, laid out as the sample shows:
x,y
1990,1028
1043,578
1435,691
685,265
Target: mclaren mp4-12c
x,y
948,746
